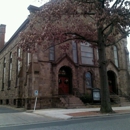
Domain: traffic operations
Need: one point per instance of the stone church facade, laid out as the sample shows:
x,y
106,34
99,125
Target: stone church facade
x,y
65,70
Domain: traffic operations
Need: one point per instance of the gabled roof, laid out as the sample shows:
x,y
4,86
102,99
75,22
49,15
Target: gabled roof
x,y
22,27
62,58
111,62
36,67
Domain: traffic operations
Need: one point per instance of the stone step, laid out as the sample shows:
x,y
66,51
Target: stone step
x,y
72,102
124,101
115,99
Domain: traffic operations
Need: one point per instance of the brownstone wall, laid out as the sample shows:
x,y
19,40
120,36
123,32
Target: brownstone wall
x,y
42,74
7,95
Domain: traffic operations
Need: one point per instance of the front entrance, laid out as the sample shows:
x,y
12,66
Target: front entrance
x,y
65,81
112,82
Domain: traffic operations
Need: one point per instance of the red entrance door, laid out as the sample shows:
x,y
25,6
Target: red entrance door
x,y
63,85
110,86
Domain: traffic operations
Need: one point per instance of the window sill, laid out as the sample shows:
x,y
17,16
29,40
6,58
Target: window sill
x,y
87,65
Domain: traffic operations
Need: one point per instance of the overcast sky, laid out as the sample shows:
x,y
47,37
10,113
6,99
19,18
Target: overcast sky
x,y
14,12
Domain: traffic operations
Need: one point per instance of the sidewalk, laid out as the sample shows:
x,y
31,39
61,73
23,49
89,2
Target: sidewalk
x,y
10,116
76,113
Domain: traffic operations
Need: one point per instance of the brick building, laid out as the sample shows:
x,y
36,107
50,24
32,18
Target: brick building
x,y
61,74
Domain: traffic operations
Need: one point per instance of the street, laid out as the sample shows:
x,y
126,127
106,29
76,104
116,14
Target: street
x,y
19,120
116,122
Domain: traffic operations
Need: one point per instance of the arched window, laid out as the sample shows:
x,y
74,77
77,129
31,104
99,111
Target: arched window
x,y
115,56
87,54
74,49
88,80
52,53
28,58
18,66
97,54
19,56
10,70
4,72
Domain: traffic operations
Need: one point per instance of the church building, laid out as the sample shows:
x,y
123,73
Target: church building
x,y
59,76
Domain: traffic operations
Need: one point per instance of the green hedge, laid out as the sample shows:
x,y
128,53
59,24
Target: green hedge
x,y
86,98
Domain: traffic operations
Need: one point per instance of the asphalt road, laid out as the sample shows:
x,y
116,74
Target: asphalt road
x,y
6,109
17,119
111,122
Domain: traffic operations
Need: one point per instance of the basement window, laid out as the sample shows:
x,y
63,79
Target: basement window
x,y
7,101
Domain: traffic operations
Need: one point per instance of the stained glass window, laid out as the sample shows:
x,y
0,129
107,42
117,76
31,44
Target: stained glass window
x,y
88,80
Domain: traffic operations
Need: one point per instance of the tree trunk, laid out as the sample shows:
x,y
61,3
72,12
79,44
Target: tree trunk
x,y
105,96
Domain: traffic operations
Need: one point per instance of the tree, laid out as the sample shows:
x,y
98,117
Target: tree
x,y
102,23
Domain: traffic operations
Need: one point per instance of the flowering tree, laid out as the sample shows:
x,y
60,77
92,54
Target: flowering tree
x,y
102,23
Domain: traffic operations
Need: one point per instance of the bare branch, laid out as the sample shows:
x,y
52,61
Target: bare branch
x,y
121,3
115,42
86,1
107,26
81,37
70,39
109,32
115,4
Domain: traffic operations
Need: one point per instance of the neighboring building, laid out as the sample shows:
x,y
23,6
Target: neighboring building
x,y
69,69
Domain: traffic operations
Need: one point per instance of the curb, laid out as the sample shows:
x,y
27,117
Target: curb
x,y
101,115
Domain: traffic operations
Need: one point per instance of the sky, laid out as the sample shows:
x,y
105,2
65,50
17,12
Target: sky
x,y
14,12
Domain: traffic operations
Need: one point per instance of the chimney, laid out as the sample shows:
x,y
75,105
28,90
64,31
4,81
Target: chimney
x,y
2,35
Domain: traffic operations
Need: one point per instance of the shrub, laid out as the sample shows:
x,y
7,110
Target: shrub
x,y
86,98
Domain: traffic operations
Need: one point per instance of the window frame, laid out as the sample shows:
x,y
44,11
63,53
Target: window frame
x,y
115,53
90,54
18,62
4,73
52,51
74,52
28,59
18,65
89,80
10,70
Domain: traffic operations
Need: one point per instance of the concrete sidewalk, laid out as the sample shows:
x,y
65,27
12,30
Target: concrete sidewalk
x,y
76,113
10,116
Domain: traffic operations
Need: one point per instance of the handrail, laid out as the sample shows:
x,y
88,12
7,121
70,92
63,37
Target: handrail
x,y
112,93
65,96
124,95
76,92
62,91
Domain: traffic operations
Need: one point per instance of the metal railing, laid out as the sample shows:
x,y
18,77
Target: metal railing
x,y
66,97
124,95
76,92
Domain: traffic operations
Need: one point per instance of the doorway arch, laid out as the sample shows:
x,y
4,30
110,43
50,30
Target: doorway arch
x,y
112,82
65,80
